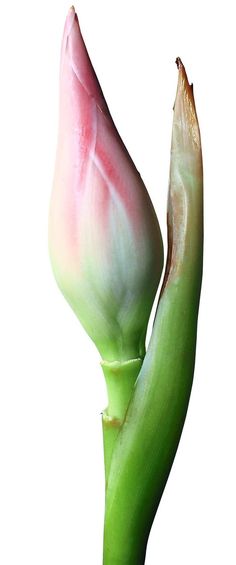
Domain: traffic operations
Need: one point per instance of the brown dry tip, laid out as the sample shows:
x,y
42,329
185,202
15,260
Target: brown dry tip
x,y
179,63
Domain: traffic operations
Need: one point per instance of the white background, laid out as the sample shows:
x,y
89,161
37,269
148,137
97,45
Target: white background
x,y
51,387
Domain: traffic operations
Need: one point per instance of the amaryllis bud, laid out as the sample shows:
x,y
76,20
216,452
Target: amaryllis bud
x,y
104,237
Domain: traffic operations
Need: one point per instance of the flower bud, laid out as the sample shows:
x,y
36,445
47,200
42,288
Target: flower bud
x,y
104,237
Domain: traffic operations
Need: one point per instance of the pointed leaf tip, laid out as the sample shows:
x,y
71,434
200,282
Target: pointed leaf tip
x,y
185,126
179,63
182,73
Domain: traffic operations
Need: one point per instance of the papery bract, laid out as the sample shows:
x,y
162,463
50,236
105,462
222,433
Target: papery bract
x,y
104,237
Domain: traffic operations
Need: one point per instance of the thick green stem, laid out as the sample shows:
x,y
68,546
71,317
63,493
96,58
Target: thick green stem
x,y
132,553
146,446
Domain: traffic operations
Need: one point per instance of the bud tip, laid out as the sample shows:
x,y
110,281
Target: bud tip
x,y
70,20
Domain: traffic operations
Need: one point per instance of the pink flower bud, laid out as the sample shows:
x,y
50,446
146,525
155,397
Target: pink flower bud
x,y
104,237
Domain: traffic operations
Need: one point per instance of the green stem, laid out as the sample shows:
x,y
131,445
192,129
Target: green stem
x,y
146,446
132,553
120,379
